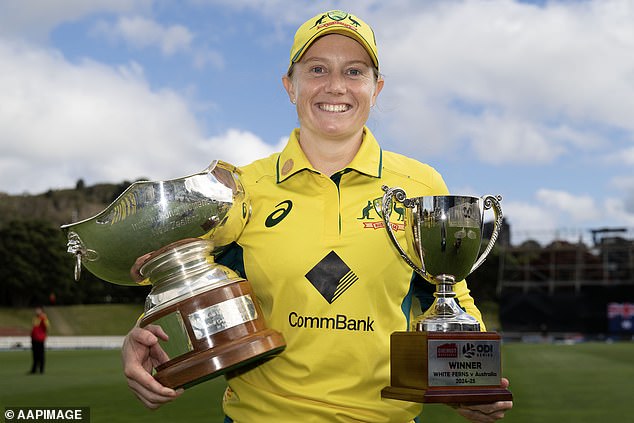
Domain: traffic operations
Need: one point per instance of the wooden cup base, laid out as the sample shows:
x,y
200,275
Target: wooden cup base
x,y
215,362
448,396
409,368
223,348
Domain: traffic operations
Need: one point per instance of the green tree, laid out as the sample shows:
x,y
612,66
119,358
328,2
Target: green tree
x,y
33,263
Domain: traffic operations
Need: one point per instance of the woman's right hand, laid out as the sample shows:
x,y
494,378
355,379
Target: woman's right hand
x,y
141,353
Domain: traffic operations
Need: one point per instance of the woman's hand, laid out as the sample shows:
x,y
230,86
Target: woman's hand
x,y
485,413
141,353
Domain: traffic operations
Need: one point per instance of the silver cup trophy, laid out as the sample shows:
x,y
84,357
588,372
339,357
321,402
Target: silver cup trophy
x,y
444,358
166,233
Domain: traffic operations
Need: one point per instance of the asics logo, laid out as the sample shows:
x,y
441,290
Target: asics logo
x,y
282,210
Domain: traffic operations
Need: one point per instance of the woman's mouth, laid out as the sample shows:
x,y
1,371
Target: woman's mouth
x,y
334,108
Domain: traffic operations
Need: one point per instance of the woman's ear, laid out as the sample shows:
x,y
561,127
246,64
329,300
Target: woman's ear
x,y
377,89
290,88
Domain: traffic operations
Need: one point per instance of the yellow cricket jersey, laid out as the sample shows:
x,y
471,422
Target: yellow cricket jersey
x,y
329,279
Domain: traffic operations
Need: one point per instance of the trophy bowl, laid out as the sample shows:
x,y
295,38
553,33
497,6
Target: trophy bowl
x,y
444,236
445,358
167,233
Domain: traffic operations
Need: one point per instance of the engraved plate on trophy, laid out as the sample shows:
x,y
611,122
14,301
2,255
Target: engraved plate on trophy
x,y
218,317
444,358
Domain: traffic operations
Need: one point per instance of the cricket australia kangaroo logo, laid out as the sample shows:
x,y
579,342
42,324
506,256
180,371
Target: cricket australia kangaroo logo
x,y
372,217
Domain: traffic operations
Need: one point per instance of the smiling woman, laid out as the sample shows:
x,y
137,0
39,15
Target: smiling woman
x,y
324,277
333,94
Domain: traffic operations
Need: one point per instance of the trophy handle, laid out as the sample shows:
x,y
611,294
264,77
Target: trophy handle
x,y
386,208
490,201
76,247
77,271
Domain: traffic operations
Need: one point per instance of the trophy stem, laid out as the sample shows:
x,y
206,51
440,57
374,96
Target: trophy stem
x,y
444,286
181,270
445,315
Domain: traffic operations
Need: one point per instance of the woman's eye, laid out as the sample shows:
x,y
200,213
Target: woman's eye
x,y
317,69
354,72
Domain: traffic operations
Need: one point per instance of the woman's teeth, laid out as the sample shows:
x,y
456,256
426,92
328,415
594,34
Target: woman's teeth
x,y
336,108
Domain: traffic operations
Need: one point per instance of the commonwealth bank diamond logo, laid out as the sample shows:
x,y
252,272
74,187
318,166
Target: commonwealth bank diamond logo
x,y
331,277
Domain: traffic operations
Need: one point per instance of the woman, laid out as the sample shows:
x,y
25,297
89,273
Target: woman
x,y
326,278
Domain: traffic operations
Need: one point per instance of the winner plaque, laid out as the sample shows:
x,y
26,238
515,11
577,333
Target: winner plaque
x,y
445,358
166,234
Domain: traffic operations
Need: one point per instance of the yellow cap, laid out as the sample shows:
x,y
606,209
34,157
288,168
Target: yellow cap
x,y
333,22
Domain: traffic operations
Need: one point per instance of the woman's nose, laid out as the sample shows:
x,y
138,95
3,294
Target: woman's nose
x,y
336,83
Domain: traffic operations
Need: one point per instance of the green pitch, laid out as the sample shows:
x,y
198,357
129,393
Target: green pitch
x,y
582,383
94,378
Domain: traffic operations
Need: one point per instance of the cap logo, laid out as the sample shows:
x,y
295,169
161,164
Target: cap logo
x,y
337,15
336,18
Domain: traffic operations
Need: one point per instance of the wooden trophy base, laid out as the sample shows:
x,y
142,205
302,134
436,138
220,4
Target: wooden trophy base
x,y
218,361
212,333
445,367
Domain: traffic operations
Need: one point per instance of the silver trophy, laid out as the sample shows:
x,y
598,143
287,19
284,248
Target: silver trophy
x,y
443,236
167,233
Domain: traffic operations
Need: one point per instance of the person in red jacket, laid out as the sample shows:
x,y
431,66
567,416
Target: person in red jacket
x,y
38,337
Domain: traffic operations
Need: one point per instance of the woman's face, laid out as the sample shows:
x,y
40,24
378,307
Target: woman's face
x,y
334,86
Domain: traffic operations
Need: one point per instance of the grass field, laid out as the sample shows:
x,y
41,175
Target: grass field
x,y
582,383
76,320
93,378
117,319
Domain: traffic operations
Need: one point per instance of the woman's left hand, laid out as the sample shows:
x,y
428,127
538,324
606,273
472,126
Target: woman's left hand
x,y
485,413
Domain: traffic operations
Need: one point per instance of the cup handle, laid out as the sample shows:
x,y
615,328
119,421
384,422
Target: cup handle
x,y
386,208
76,247
490,201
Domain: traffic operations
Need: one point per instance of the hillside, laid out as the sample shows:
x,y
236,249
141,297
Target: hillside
x,y
59,206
